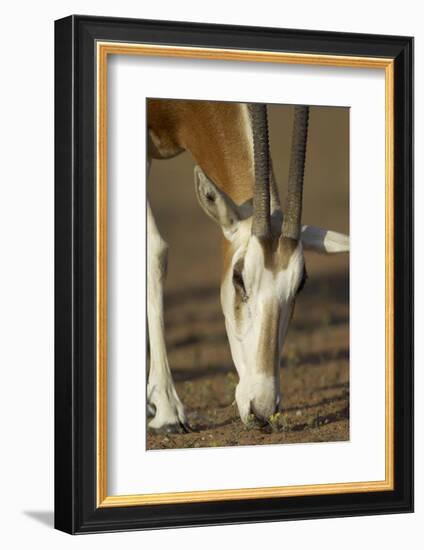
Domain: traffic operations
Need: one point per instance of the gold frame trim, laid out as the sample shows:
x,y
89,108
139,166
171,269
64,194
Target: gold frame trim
x,y
119,48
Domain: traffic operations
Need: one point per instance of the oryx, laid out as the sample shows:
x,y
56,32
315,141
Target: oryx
x,y
263,260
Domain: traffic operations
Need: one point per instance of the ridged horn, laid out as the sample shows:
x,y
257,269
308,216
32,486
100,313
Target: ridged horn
x,y
261,224
293,211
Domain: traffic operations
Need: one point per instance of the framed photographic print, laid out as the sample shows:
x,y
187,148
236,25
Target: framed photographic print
x,y
234,268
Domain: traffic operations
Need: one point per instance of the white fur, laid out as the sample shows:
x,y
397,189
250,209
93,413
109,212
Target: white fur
x,y
324,240
161,393
270,294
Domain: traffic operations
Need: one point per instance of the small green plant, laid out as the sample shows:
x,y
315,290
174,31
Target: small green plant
x,y
251,422
285,422
274,421
292,358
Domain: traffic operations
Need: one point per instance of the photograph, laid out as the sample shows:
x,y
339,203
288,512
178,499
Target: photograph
x,y
247,273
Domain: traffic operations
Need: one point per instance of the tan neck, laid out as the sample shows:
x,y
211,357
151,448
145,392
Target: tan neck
x,y
217,134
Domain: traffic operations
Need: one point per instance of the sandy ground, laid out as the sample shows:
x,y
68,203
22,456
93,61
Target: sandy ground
x,y
315,359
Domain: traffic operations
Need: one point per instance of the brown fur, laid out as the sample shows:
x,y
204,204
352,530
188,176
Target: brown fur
x,y
214,134
267,354
277,252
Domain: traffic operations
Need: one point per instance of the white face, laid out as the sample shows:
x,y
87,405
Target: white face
x,y
257,296
258,293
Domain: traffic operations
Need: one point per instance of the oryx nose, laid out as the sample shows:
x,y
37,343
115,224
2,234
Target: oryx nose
x,y
263,410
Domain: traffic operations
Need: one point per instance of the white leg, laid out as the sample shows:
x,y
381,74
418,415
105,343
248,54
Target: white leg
x,y
161,394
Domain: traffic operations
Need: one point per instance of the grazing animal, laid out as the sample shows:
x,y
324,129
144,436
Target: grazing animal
x,y
263,260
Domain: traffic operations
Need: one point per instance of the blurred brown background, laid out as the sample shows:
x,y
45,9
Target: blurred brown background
x,y
315,359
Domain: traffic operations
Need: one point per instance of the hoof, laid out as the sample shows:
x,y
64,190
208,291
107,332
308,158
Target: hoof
x,y
175,428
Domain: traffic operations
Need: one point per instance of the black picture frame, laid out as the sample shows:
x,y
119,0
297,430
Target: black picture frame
x,y
75,275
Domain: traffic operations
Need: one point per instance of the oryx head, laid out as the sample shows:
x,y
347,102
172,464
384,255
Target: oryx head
x,y
265,266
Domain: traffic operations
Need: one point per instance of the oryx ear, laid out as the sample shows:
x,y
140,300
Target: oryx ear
x,y
216,203
324,240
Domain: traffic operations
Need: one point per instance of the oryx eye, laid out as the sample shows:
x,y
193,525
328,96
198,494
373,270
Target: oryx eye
x,y
303,281
238,282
